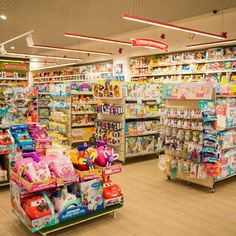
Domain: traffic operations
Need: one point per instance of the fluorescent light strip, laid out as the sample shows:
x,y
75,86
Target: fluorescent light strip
x,y
51,67
170,26
201,45
72,35
71,50
17,37
42,56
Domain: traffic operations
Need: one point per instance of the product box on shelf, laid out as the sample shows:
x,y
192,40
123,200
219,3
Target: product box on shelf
x,y
89,174
22,138
67,203
36,211
33,186
132,145
92,194
146,144
109,170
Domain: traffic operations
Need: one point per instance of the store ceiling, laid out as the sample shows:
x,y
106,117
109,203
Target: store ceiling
x,y
51,18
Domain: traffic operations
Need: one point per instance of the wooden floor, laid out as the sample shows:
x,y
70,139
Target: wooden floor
x,y
153,206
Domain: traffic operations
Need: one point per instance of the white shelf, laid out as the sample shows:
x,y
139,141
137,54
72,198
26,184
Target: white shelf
x,y
226,177
103,98
79,141
184,73
183,63
43,93
18,79
81,93
139,135
140,154
98,73
84,103
227,128
225,96
80,125
4,183
143,99
228,148
83,113
57,76
58,81
143,117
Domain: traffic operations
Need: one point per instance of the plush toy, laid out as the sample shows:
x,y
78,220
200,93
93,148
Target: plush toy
x,y
105,155
64,200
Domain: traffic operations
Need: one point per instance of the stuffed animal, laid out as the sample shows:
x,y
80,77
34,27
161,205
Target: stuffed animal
x,y
65,200
105,155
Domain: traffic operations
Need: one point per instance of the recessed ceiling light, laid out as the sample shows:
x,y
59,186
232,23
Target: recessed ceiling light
x,y
3,17
12,47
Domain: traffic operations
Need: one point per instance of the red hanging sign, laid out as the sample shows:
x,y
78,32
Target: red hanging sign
x,y
148,43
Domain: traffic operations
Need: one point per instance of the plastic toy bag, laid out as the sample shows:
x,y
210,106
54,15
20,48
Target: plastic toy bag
x,y
208,110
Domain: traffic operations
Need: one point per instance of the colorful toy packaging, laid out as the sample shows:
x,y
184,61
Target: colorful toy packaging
x,y
22,138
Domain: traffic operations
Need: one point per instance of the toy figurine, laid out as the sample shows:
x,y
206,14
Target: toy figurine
x,y
86,158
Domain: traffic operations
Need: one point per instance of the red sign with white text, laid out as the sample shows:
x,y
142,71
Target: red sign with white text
x,y
149,43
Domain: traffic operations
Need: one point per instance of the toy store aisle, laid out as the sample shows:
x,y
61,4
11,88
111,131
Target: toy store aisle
x,y
152,207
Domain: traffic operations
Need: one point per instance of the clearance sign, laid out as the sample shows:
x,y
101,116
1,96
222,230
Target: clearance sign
x,y
149,43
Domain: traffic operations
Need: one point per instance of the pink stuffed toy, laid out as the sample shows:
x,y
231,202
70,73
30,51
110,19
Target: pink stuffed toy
x,y
106,155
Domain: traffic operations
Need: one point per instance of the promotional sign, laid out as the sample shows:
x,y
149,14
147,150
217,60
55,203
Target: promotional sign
x,y
21,66
149,43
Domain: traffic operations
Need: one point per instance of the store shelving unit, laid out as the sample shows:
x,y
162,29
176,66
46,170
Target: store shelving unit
x,y
112,102
226,151
199,65
145,124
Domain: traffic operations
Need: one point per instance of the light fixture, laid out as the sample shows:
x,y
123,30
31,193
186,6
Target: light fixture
x,y
51,67
17,37
170,26
149,43
12,47
3,17
80,36
202,45
42,56
71,50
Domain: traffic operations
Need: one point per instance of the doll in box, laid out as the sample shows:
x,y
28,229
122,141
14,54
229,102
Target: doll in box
x,y
92,194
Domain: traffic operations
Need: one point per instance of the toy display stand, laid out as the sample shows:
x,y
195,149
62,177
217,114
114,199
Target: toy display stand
x,y
75,211
193,103
75,221
187,104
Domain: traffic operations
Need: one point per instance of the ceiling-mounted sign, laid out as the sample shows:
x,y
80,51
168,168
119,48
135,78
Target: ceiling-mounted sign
x,y
14,66
149,43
